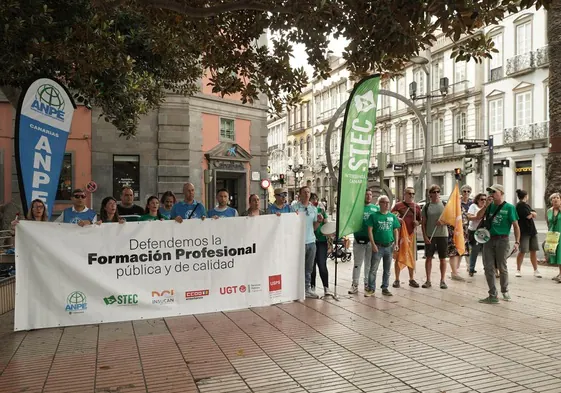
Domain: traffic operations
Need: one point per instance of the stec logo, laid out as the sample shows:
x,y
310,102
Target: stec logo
x,y
275,283
233,289
199,294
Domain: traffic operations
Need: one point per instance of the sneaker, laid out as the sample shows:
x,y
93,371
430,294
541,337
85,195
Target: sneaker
x,y
506,297
310,294
457,277
396,284
471,274
557,278
518,274
490,300
366,287
368,293
386,292
443,285
327,292
353,290
427,285
413,283
537,274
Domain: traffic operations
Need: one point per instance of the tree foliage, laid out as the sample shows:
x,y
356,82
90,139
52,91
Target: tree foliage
x,y
122,56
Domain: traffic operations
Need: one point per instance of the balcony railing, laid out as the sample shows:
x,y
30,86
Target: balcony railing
x,y
528,133
414,155
520,64
447,150
325,116
296,127
383,113
399,158
495,74
542,57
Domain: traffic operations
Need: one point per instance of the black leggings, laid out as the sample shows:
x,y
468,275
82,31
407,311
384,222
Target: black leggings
x,y
321,262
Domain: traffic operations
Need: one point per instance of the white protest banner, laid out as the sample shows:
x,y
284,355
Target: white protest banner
x,y
68,275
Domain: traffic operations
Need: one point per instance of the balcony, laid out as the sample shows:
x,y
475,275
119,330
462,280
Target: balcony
x,y
520,64
383,114
325,116
399,158
495,74
542,57
296,128
447,150
537,132
414,155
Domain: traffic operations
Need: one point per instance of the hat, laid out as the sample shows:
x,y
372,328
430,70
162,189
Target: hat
x,y
279,191
497,188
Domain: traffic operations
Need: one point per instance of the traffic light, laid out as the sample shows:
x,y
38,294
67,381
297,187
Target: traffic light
x,y
458,173
468,165
281,179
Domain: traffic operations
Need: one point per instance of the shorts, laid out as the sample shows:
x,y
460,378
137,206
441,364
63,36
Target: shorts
x,y
529,243
439,244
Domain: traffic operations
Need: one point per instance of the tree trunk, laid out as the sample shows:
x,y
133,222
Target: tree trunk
x,y
553,167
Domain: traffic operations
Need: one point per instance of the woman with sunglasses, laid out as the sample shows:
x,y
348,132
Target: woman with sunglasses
x,y
79,212
478,203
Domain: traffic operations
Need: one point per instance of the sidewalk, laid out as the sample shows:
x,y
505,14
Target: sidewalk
x,y
419,340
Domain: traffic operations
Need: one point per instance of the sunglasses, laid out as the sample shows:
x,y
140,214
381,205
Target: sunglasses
x,y
410,193
492,191
435,192
483,199
79,196
468,191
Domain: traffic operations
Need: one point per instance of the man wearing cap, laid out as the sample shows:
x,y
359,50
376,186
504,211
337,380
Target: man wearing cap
x,y
280,205
499,217
78,213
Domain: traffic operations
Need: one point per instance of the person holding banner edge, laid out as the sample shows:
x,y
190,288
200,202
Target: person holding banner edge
x,y
304,206
79,213
500,216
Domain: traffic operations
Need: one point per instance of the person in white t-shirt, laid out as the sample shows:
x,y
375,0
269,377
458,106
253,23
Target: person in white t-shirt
x,y
478,204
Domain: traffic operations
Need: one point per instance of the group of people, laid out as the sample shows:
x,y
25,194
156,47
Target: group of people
x,y
377,241
378,238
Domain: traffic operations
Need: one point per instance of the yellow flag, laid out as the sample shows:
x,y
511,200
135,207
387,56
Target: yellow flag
x,y
405,255
452,215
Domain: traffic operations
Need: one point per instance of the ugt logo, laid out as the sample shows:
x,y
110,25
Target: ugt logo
x,y
49,101
233,289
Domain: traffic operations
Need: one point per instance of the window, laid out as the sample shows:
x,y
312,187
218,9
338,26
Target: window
x,y
460,71
308,114
418,136
497,60
523,108
438,132
342,93
309,148
227,129
126,172
495,116
400,139
65,186
289,150
419,77
319,145
318,105
524,38
461,125
546,103
302,147
437,73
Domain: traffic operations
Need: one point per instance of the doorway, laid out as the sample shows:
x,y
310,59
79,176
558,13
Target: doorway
x,y
232,186
235,183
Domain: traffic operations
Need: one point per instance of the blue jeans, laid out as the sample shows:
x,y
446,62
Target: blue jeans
x,y
384,253
473,254
309,263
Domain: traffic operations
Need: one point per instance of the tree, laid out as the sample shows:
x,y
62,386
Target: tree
x,y
553,169
123,55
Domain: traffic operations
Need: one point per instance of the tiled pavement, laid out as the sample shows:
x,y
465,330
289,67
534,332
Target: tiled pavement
x,y
416,341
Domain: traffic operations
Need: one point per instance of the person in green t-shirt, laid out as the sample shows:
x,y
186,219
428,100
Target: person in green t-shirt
x,y
362,251
152,210
500,217
384,239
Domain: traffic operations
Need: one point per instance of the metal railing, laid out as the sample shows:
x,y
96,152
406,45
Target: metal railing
x,y
542,57
520,64
526,133
7,278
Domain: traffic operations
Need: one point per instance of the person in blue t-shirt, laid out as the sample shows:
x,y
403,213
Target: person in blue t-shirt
x,y
189,208
310,212
78,213
280,205
222,210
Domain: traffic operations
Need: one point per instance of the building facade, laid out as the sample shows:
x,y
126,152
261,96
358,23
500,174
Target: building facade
x,y
505,97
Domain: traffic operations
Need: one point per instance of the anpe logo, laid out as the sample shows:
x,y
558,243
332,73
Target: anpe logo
x,y
49,101
192,295
121,300
233,289
163,297
275,283
76,303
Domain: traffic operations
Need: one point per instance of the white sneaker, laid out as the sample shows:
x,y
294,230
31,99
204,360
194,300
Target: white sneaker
x,y
518,274
353,290
327,292
537,274
310,294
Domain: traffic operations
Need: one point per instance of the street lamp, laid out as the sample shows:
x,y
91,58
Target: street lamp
x,y
298,171
423,61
